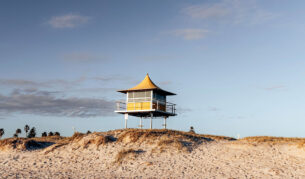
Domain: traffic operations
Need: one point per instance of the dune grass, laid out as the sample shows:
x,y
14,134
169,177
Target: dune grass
x,y
162,138
273,140
140,135
127,153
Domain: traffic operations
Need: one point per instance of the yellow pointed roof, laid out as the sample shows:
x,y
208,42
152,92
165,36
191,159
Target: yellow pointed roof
x,y
147,84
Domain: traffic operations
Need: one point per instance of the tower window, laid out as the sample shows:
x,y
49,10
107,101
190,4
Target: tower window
x,y
139,96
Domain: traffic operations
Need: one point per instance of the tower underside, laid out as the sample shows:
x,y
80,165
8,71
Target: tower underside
x,y
147,113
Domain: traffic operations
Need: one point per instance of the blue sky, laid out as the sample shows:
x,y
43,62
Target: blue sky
x,y
237,66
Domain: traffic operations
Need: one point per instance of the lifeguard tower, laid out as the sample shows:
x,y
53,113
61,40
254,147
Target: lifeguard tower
x,y
146,100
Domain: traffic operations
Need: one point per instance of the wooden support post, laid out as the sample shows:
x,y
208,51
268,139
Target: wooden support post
x,y
151,116
165,122
126,118
141,126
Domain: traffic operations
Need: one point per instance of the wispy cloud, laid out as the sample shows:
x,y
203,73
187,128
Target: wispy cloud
x,y
68,21
213,108
111,78
20,82
190,34
153,58
47,104
230,11
39,84
83,57
205,11
165,83
66,85
276,87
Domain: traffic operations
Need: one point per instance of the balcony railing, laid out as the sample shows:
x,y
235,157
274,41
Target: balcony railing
x,y
146,105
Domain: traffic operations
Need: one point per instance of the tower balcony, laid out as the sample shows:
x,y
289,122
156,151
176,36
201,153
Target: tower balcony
x,y
146,108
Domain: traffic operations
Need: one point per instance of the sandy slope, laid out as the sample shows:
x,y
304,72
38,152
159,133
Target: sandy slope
x,y
149,159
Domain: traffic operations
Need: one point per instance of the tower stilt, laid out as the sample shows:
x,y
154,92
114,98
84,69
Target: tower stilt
x,y
165,122
126,118
141,126
151,116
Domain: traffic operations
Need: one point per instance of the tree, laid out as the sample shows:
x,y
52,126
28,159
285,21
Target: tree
x,y
18,131
26,129
50,134
57,134
32,133
192,129
44,134
1,132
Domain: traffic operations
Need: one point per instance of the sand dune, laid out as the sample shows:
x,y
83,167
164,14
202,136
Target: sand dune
x,y
152,154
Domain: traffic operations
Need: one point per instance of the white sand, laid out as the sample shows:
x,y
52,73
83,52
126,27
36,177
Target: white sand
x,y
222,159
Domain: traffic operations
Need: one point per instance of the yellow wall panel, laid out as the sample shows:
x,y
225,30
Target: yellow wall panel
x,y
138,106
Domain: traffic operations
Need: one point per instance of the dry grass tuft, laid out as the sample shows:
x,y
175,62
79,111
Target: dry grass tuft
x,y
98,140
273,140
23,144
127,153
141,135
76,136
256,140
218,137
104,140
182,141
178,144
54,147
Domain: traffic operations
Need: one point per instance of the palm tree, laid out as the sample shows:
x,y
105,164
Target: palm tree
x,y
50,134
44,134
26,129
18,131
32,133
57,134
1,132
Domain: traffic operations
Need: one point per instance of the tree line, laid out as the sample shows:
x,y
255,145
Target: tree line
x,y
29,132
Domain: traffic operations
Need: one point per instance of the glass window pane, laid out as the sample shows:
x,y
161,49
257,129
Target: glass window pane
x,y
139,99
130,94
140,94
148,93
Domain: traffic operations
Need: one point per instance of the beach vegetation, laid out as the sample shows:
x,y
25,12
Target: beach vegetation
x,y
1,132
32,133
26,129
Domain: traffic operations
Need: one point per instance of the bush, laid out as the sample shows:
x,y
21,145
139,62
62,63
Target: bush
x,y
32,133
50,134
192,129
1,132
26,129
44,134
18,131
